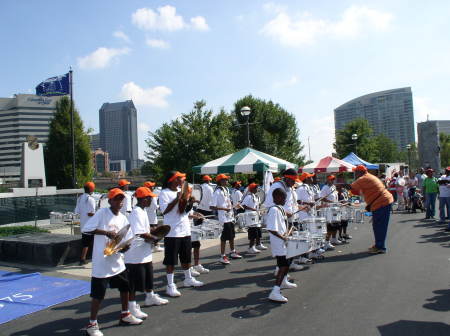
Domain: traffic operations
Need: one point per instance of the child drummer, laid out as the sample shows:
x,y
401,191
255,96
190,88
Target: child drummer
x,y
138,259
277,227
251,203
108,271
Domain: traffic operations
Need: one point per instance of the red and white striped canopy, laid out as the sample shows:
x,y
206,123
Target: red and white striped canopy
x,y
328,164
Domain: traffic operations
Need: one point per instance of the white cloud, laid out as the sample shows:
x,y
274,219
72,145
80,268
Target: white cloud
x,y
424,109
271,7
101,58
143,127
161,44
155,96
286,83
199,23
166,19
121,36
304,29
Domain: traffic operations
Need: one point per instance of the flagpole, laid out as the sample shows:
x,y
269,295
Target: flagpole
x,y
72,133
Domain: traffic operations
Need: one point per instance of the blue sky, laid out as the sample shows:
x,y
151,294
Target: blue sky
x,y
308,56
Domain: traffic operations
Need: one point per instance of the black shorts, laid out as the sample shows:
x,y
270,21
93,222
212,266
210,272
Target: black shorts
x,y
87,240
228,232
332,227
282,261
140,277
344,223
254,233
204,213
153,226
196,244
99,285
175,247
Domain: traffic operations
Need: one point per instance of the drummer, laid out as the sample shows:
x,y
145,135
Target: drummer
x,y
329,195
343,199
124,185
251,204
151,213
236,197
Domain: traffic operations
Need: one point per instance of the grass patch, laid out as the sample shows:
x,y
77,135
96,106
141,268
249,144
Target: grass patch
x,y
15,230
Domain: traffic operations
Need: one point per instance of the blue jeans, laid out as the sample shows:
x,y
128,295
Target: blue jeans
x,y
430,204
380,225
444,202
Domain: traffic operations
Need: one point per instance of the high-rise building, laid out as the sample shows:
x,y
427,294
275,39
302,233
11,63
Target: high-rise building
x,y
428,142
388,112
20,116
94,140
118,132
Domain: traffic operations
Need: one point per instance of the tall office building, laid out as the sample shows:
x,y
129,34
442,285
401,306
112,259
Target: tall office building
x,y
388,112
20,116
118,132
428,142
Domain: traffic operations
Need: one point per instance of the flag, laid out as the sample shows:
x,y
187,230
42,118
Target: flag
x,y
54,86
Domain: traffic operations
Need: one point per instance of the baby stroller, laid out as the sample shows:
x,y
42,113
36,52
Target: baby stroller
x,y
416,200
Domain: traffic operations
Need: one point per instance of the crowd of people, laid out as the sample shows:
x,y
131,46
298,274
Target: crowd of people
x,y
291,199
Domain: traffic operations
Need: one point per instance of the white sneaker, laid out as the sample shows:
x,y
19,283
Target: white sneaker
x,y
93,330
328,246
224,260
129,319
296,267
261,247
303,260
200,269
194,273
321,251
276,296
335,241
192,282
155,300
288,285
253,250
235,255
136,311
158,249
172,291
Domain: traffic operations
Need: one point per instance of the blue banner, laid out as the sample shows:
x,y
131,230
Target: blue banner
x,y
54,86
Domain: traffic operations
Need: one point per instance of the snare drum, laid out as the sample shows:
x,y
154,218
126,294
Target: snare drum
x,y
332,215
297,245
240,220
359,216
251,219
315,225
196,234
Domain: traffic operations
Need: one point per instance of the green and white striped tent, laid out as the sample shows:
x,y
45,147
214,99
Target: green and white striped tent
x,y
247,161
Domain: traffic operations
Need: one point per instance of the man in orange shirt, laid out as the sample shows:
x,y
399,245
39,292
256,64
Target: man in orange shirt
x,y
378,200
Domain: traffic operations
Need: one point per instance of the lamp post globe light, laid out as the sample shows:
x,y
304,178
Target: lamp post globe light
x,y
408,148
354,138
245,112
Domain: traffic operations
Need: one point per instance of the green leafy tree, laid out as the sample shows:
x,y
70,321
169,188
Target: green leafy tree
x,y
192,139
444,144
58,150
386,149
273,130
364,146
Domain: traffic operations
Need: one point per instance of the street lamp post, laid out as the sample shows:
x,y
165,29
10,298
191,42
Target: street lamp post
x,y
245,112
408,147
355,138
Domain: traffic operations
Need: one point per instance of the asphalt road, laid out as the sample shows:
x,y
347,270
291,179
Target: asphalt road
x,y
405,292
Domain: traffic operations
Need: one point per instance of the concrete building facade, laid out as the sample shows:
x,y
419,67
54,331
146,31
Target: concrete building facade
x,y
20,116
118,132
388,112
100,160
428,142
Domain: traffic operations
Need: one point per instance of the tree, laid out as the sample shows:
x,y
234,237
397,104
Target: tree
x,y
386,149
364,146
58,150
192,139
273,131
444,144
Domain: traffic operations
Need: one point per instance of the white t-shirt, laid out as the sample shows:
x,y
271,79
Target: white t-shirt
x,y
179,222
221,199
444,189
276,221
85,206
316,189
290,196
106,266
140,251
151,211
305,193
252,201
329,192
126,207
207,195
236,196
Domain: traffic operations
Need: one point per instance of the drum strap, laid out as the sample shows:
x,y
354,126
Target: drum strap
x,y
283,212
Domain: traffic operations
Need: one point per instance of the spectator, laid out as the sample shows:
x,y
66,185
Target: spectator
x,y
431,189
420,176
444,196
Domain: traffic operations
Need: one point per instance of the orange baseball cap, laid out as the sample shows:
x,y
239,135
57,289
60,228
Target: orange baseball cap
x,y
149,184
115,192
176,175
360,168
252,186
304,176
143,192
90,185
206,178
276,179
123,183
222,177
331,177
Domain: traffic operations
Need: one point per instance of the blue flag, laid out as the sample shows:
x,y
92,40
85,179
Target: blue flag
x,y
54,86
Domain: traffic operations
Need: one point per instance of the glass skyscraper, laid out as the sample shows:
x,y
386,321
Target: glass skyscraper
x,y
388,112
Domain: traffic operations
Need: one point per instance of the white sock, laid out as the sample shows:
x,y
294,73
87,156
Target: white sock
x,y
187,274
148,294
170,279
285,279
93,322
276,269
276,288
131,304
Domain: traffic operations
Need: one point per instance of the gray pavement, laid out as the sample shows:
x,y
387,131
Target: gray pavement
x,y
405,292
